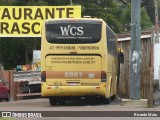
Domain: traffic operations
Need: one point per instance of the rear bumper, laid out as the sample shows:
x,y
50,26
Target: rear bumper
x,y
3,96
47,91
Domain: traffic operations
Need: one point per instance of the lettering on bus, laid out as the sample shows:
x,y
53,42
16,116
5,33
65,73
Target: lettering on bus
x,y
65,48
90,84
72,30
66,32
52,47
62,47
73,74
73,60
88,47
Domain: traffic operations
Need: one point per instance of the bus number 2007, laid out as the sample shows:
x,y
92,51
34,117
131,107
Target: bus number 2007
x,y
73,74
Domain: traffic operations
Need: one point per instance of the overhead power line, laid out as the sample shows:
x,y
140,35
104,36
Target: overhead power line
x,y
124,2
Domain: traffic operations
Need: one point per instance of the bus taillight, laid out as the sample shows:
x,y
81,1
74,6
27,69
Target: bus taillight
x,y
103,76
43,76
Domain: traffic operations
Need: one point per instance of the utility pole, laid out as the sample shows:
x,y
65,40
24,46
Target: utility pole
x,y
71,2
135,51
156,23
156,45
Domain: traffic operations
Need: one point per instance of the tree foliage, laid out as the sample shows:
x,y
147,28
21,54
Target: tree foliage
x,y
117,14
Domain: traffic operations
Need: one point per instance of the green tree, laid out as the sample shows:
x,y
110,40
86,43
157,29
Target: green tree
x,y
116,13
145,21
6,2
18,51
37,3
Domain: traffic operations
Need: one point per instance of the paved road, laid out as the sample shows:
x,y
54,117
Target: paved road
x,y
42,104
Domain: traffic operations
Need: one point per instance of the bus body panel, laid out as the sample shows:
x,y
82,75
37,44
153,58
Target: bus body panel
x,y
83,91
73,70
67,77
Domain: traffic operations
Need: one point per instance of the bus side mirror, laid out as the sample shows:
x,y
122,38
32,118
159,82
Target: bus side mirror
x,y
121,56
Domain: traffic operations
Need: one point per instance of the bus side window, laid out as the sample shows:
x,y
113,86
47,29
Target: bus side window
x,y
121,56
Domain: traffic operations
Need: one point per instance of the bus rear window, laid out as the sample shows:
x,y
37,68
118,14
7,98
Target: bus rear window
x,y
73,32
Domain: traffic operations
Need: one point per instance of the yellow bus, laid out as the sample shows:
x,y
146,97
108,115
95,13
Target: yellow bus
x,y
78,59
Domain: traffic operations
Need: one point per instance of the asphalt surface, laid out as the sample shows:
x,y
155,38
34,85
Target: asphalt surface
x,y
93,105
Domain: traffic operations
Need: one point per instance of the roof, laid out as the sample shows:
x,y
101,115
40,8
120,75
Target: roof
x,y
127,36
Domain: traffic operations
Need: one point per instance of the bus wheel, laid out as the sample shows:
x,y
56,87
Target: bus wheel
x,y
113,97
106,100
53,101
61,101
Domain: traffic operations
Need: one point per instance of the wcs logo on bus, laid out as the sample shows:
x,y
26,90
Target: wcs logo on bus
x,y
72,30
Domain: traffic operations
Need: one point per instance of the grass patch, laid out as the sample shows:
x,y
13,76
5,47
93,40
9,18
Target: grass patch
x,y
2,118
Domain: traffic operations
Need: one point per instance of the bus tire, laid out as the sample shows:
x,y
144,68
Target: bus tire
x,y
61,101
107,100
113,97
53,101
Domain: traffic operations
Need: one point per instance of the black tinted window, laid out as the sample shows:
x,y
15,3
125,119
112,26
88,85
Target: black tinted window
x,y
111,41
73,32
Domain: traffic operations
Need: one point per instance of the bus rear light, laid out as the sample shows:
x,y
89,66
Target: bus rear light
x,y
98,87
103,76
48,87
43,76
